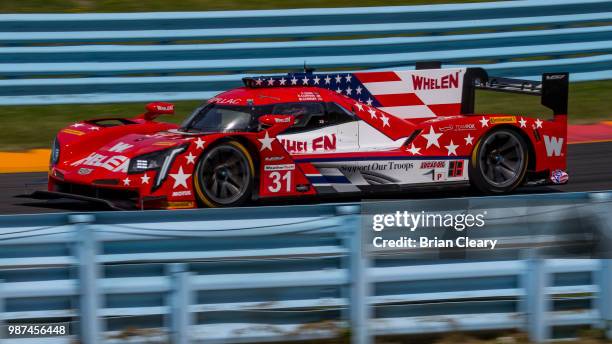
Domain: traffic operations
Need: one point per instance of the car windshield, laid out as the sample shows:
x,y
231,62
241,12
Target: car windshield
x,y
222,118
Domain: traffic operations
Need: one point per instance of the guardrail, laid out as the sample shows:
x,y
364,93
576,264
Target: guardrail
x,y
92,58
283,274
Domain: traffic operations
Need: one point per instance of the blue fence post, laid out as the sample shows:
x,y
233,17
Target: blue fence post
x,y
180,300
605,296
359,285
87,249
537,301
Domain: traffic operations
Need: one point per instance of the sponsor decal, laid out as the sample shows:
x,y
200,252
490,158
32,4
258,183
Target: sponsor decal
x,y
73,132
274,158
120,147
446,128
293,146
445,82
84,171
442,118
163,107
455,168
467,126
180,205
163,143
230,101
555,77
181,193
321,143
282,120
553,145
284,167
559,177
433,164
504,119
117,163
378,166
305,96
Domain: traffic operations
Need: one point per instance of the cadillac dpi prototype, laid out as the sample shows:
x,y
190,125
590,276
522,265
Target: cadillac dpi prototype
x,y
314,134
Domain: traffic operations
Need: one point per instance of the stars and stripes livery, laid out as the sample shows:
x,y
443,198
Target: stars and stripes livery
x,y
309,134
404,94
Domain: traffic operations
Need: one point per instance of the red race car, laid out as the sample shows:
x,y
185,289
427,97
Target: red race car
x,y
311,134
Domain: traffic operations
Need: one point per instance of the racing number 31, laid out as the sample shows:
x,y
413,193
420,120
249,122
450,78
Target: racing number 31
x,y
279,180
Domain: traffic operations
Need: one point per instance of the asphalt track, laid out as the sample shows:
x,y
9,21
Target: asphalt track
x,y
589,166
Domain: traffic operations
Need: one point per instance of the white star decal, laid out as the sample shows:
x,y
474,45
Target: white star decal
x,y
469,140
190,158
305,80
372,113
369,101
294,81
76,125
126,181
538,123
349,90
94,128
523,123
200,143
452,148
316,80
258,82
338,90
359,106
484,122
432,138
359,89
385,120
338,78
266,142
270,82
145,179
414,151
348,78
327,80
180,178
283,81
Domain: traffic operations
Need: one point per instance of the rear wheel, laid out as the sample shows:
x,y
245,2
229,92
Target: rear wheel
x,y
499,162
224,175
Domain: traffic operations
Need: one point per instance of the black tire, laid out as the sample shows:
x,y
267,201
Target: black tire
x,y
224,176
499,162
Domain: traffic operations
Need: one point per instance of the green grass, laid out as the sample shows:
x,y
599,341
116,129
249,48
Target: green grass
x,y
589,102
79,6
26,127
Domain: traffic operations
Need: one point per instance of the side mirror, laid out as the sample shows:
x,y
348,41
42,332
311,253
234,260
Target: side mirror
x,y
277,123
156,109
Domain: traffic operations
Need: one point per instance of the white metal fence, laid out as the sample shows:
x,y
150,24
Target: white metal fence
x,y
283,274
93,58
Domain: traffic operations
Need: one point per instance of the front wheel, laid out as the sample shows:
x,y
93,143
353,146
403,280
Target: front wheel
x,y
499,162
224,176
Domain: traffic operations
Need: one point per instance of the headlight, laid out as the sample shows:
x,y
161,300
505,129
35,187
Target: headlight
x,y
159,160
146,162
55,152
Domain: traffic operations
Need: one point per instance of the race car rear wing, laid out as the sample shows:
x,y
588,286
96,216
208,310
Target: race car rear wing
x,y
553,89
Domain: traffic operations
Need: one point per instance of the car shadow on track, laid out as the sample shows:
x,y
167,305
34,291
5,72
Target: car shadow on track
x,y
69,205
